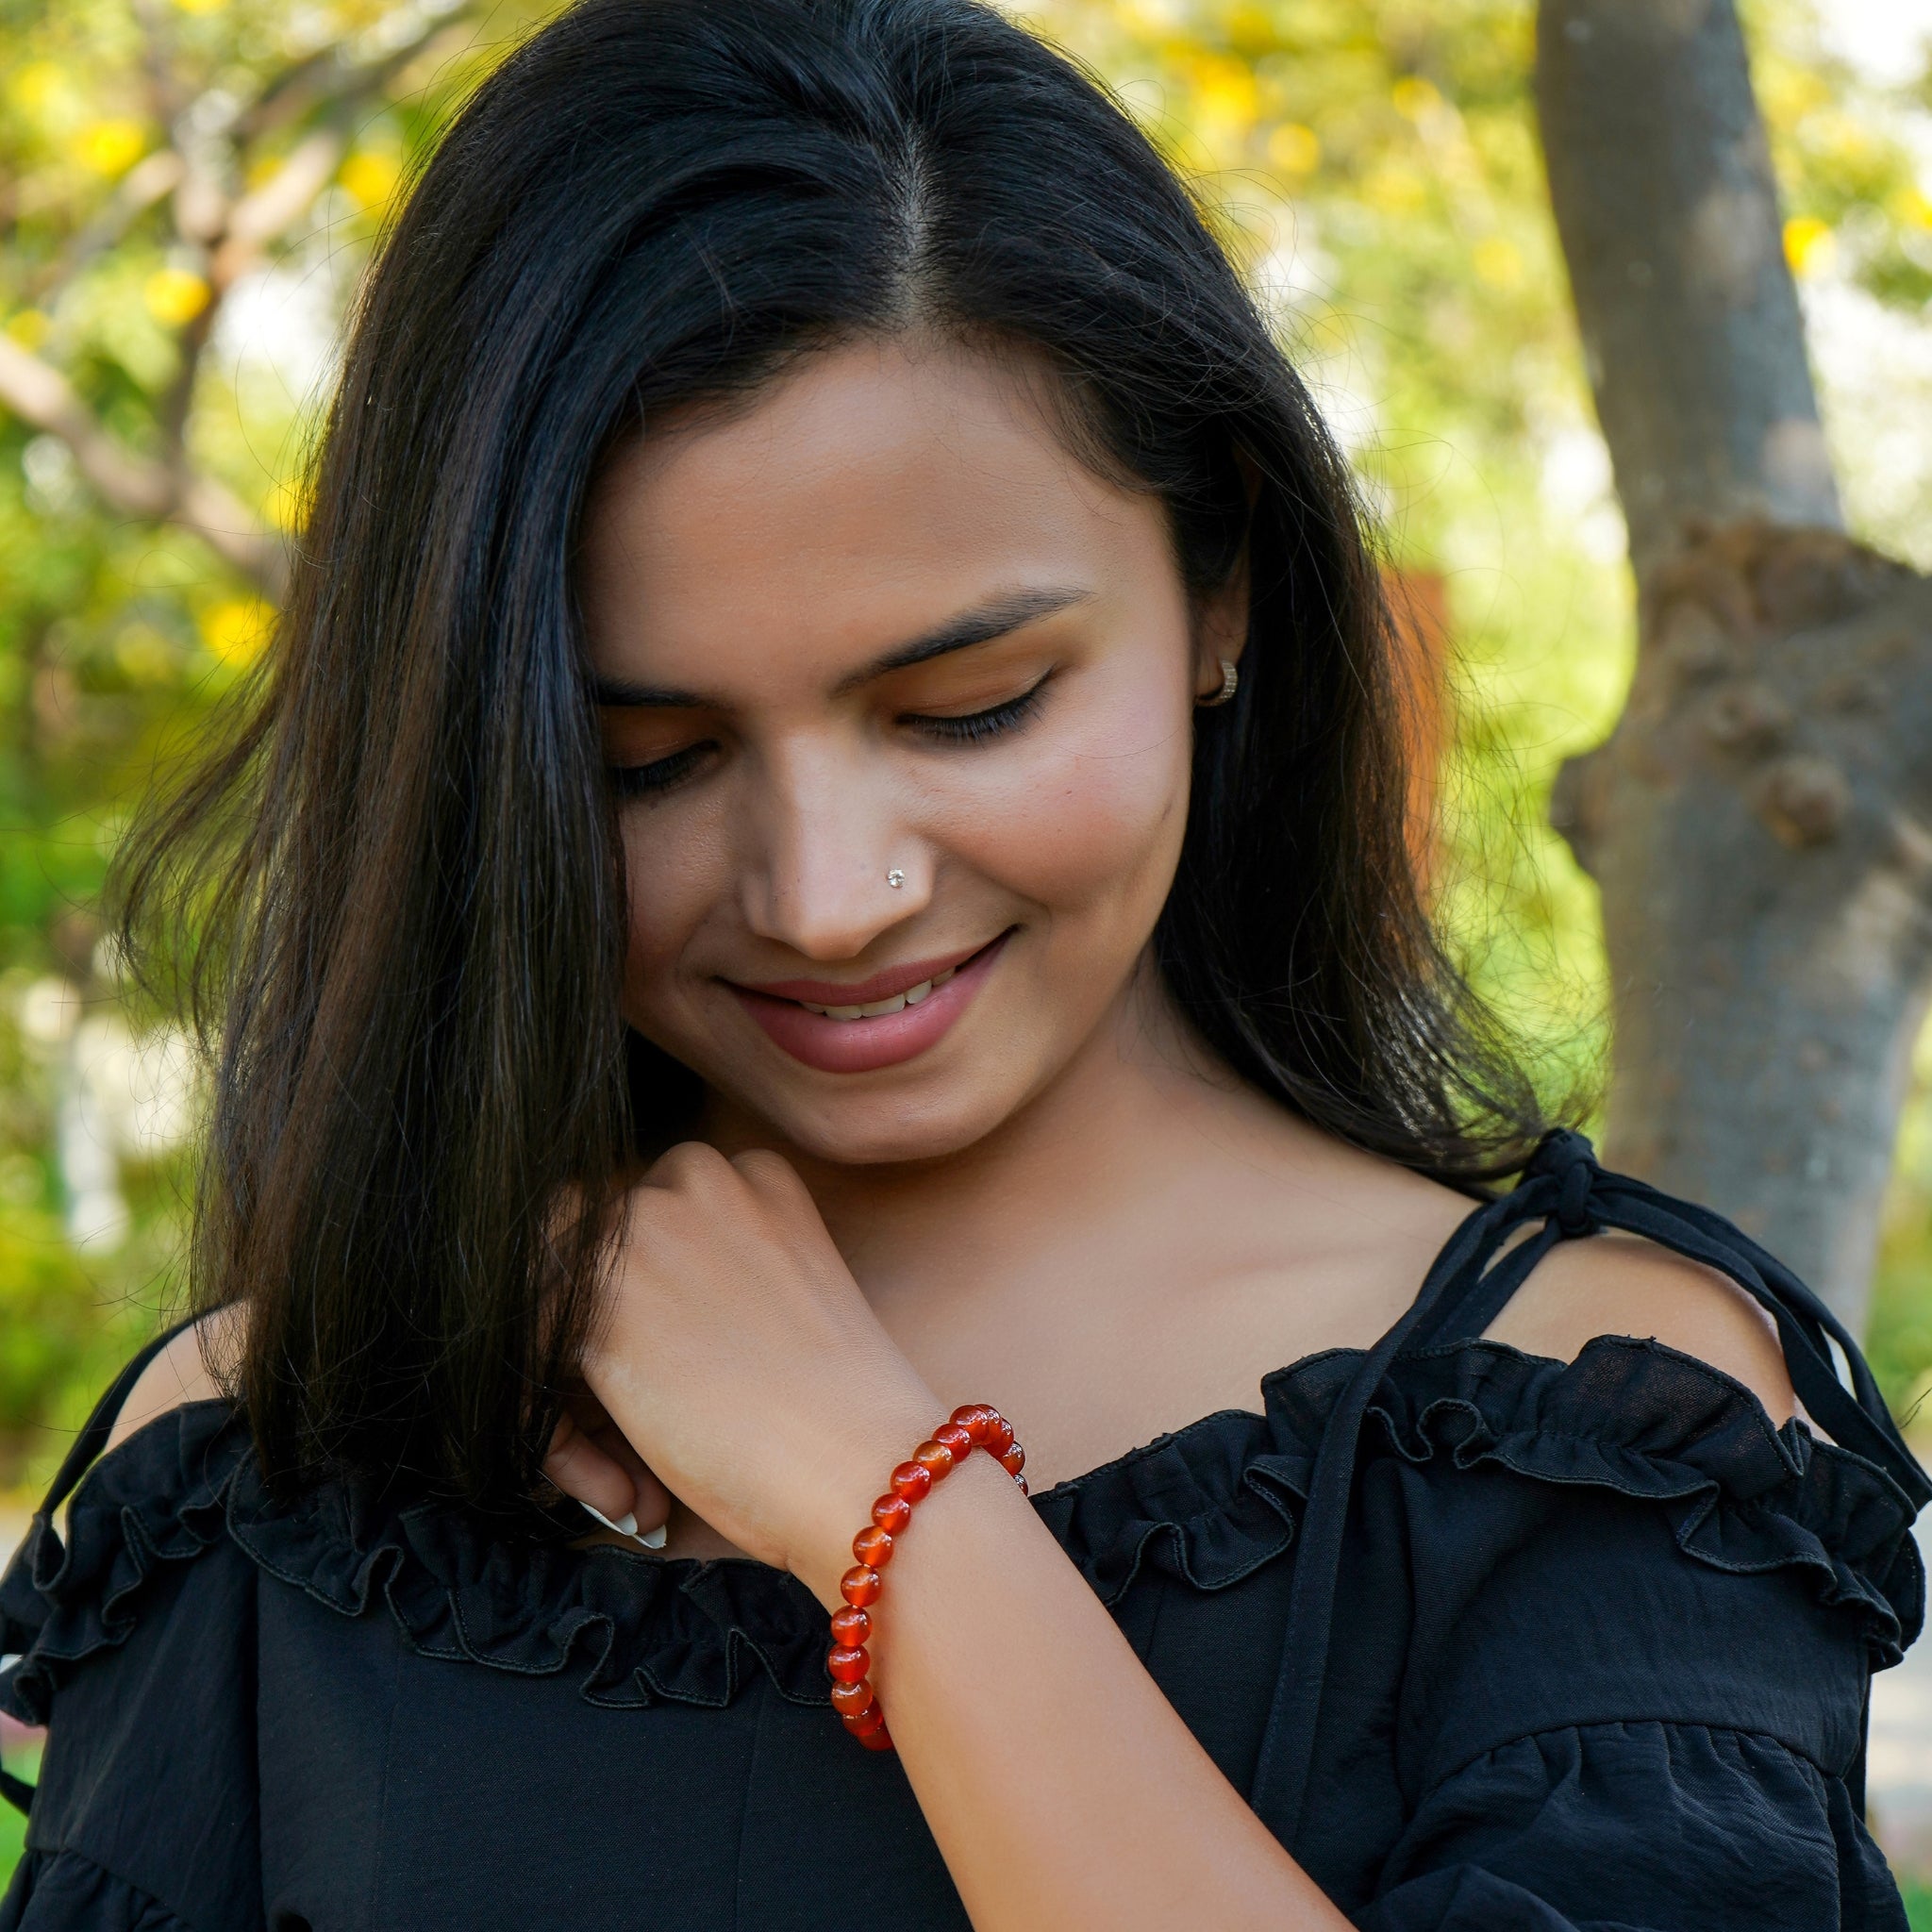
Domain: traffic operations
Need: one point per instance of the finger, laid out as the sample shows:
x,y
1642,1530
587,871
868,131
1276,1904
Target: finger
x,y
590,1428
689,1164
650,1499
772,1177
590,1474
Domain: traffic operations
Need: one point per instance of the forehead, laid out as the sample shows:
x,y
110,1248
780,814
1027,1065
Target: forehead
x,y
872,490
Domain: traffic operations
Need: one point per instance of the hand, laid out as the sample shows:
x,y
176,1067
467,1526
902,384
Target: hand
x,y
740,1361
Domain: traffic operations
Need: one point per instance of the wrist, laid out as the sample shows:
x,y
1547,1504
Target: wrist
x,y
947,1455
855,1470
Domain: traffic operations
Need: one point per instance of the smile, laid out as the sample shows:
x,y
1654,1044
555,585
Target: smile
x,y
858,1028
879,1009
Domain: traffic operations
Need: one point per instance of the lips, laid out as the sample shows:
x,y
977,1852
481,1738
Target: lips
x,y
890,982
859,1026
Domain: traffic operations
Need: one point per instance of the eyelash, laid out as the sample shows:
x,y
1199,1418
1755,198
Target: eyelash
x,y
659,775
975,727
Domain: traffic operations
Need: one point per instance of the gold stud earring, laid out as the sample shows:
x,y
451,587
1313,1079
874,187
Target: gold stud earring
x,y
1230,683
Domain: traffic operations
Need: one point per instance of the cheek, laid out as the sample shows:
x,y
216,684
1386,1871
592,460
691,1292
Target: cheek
x,y
1095,817
677,870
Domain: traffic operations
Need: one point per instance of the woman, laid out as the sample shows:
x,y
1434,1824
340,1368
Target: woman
x,y
826,843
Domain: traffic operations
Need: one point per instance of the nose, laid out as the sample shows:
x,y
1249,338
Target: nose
x,y
830,863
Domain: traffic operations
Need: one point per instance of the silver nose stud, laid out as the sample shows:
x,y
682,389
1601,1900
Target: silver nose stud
x,y
896,878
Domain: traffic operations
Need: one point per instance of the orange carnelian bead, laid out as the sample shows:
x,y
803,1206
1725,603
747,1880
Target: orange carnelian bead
x,y
951,1436
851,1700
870,1719
976,1418
859,1585
999,1436
1014,1460
1022,1481
872,1546
850,1627
912,1482
847,1666
891,1514
880,1739
936,1458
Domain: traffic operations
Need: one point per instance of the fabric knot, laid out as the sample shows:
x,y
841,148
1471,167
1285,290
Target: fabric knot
x,y
1569,1160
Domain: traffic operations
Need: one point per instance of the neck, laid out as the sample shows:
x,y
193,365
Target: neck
x,y
1109,1125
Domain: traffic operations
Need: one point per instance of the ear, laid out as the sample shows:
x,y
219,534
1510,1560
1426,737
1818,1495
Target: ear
x,y
1221,618
1221,628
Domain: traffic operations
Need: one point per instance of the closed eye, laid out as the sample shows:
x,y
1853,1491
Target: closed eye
x,y
659,774
974,727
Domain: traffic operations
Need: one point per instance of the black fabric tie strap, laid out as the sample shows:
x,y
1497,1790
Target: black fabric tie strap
x,y
87,1446
1564,1187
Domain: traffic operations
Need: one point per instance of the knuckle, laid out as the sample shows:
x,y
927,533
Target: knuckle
x,y
766,1171
691,1163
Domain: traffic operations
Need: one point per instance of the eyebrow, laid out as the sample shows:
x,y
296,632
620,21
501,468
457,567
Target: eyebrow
x,y
997,617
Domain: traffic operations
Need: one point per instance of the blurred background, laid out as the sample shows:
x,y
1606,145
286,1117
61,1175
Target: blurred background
x,y
189,190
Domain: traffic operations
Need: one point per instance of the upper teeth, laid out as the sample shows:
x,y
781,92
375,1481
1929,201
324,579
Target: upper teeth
x,y
875,1008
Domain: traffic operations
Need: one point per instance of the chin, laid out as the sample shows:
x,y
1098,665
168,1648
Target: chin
x,y
897,1133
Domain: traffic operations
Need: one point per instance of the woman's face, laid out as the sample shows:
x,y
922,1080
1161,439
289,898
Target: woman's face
x,y
897,695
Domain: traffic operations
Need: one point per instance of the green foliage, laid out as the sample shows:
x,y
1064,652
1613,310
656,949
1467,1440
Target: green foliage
x,y
12,1825
145,257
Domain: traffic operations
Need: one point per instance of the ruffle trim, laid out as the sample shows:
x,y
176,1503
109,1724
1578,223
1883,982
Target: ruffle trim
x,y
636,1628
1217,1500
1208,1505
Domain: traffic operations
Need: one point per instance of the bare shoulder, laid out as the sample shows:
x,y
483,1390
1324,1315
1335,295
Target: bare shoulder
x,y
1621,1284
180,1374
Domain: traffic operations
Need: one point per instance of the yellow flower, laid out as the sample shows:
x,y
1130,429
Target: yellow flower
x,y
110,147
175,295
1911,205
1295,149
371,178
236,631
201,5
1250,29
1498,261
1226,100
1809,244
28,328
37,85
1414,96
1396,189
287,507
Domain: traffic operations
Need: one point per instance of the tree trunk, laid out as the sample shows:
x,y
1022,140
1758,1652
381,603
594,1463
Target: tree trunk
x,y
1760,822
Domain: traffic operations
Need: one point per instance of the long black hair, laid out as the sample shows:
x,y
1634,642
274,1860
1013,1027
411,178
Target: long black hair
x,y
402,871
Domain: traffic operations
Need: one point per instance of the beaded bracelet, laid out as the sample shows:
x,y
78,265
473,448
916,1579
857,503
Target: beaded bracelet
x,y
974,1427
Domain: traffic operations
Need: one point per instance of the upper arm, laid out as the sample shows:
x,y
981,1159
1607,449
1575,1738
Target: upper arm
x,y
180,1374
1621,1284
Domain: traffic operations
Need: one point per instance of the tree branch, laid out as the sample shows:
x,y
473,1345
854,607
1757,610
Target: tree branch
x,y
134,485
323,82
267,212
1661,184
144,184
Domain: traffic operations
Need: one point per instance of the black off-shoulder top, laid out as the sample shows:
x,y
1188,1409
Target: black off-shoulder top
x,y
1490,1641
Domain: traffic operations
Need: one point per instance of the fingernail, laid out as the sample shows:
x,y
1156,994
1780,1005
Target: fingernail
x,y
654,1539
627,1522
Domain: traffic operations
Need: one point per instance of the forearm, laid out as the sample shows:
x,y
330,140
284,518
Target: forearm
x,y
1061,1784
